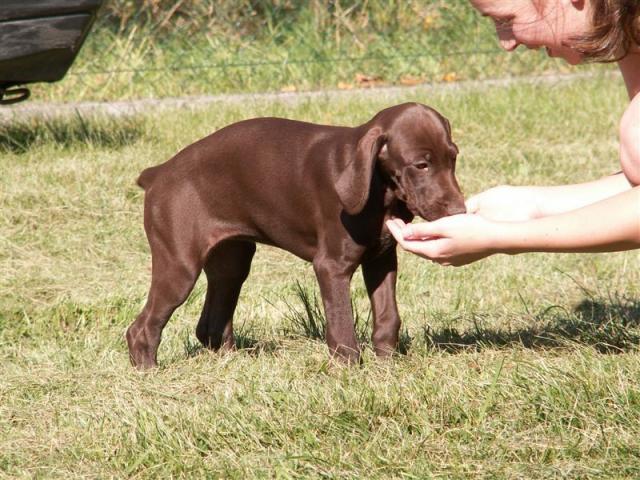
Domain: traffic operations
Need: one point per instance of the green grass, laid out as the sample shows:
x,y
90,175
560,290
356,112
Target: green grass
x,y
518,366
214,47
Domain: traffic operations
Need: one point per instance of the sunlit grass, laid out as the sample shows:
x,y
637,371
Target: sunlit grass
x,y
518,366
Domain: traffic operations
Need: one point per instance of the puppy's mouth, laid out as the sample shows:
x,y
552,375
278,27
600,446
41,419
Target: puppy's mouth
x,y
426,215
429,210
417,209
435,211
424,212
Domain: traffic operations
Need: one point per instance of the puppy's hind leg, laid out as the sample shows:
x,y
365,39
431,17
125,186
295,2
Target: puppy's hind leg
x,y
172,279
227,267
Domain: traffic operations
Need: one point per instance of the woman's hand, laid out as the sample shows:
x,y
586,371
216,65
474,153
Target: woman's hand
x,y
456,240
610,225
505,204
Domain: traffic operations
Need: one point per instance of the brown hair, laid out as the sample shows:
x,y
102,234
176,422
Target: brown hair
x,y
615,30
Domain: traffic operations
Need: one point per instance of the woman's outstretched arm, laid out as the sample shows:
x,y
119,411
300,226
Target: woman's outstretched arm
x,y
612,224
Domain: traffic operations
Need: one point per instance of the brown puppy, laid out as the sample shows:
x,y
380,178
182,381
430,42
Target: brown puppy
x,y
320,192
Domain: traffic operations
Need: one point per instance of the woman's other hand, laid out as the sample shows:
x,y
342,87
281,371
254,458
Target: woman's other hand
x,y
505,204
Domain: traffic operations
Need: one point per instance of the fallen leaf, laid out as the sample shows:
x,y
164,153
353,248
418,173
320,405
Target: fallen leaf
x,y
364,80
410,80
450,77
428,22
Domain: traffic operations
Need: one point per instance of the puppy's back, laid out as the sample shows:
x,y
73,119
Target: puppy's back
x,y
266,147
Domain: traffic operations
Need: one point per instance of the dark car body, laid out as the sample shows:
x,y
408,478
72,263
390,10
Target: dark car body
x,y
39,39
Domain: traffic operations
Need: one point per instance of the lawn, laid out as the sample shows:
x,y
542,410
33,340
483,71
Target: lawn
x,y
520,366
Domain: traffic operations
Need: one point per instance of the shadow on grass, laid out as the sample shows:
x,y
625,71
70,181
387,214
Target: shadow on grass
x,y
610,325
244,340
104,132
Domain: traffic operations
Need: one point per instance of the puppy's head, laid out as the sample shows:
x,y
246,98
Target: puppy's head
x,y
412,147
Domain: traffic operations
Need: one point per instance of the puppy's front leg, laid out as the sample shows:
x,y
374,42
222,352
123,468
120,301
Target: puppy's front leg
x,y
334,280
380,278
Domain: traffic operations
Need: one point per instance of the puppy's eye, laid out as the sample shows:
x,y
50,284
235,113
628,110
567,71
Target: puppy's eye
x,y
424,162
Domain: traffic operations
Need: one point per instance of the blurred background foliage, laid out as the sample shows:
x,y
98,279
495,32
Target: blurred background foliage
x,y
257,18
167,48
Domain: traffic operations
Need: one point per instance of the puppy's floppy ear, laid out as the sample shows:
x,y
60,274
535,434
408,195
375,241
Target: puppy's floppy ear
x,y
354,180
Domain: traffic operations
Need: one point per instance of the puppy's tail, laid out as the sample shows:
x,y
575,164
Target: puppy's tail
x,y
146,177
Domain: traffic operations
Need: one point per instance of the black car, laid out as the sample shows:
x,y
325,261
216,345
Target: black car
x,y
39,39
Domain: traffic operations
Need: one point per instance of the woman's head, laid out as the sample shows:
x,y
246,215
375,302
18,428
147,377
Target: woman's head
x,y
575,30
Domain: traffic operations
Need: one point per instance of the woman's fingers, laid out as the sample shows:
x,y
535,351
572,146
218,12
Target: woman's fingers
x,y
398,222
422,231
404,233
430,249
395,226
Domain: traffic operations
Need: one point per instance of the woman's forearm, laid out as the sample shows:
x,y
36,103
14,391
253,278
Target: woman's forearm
x,y
555,200
612,224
